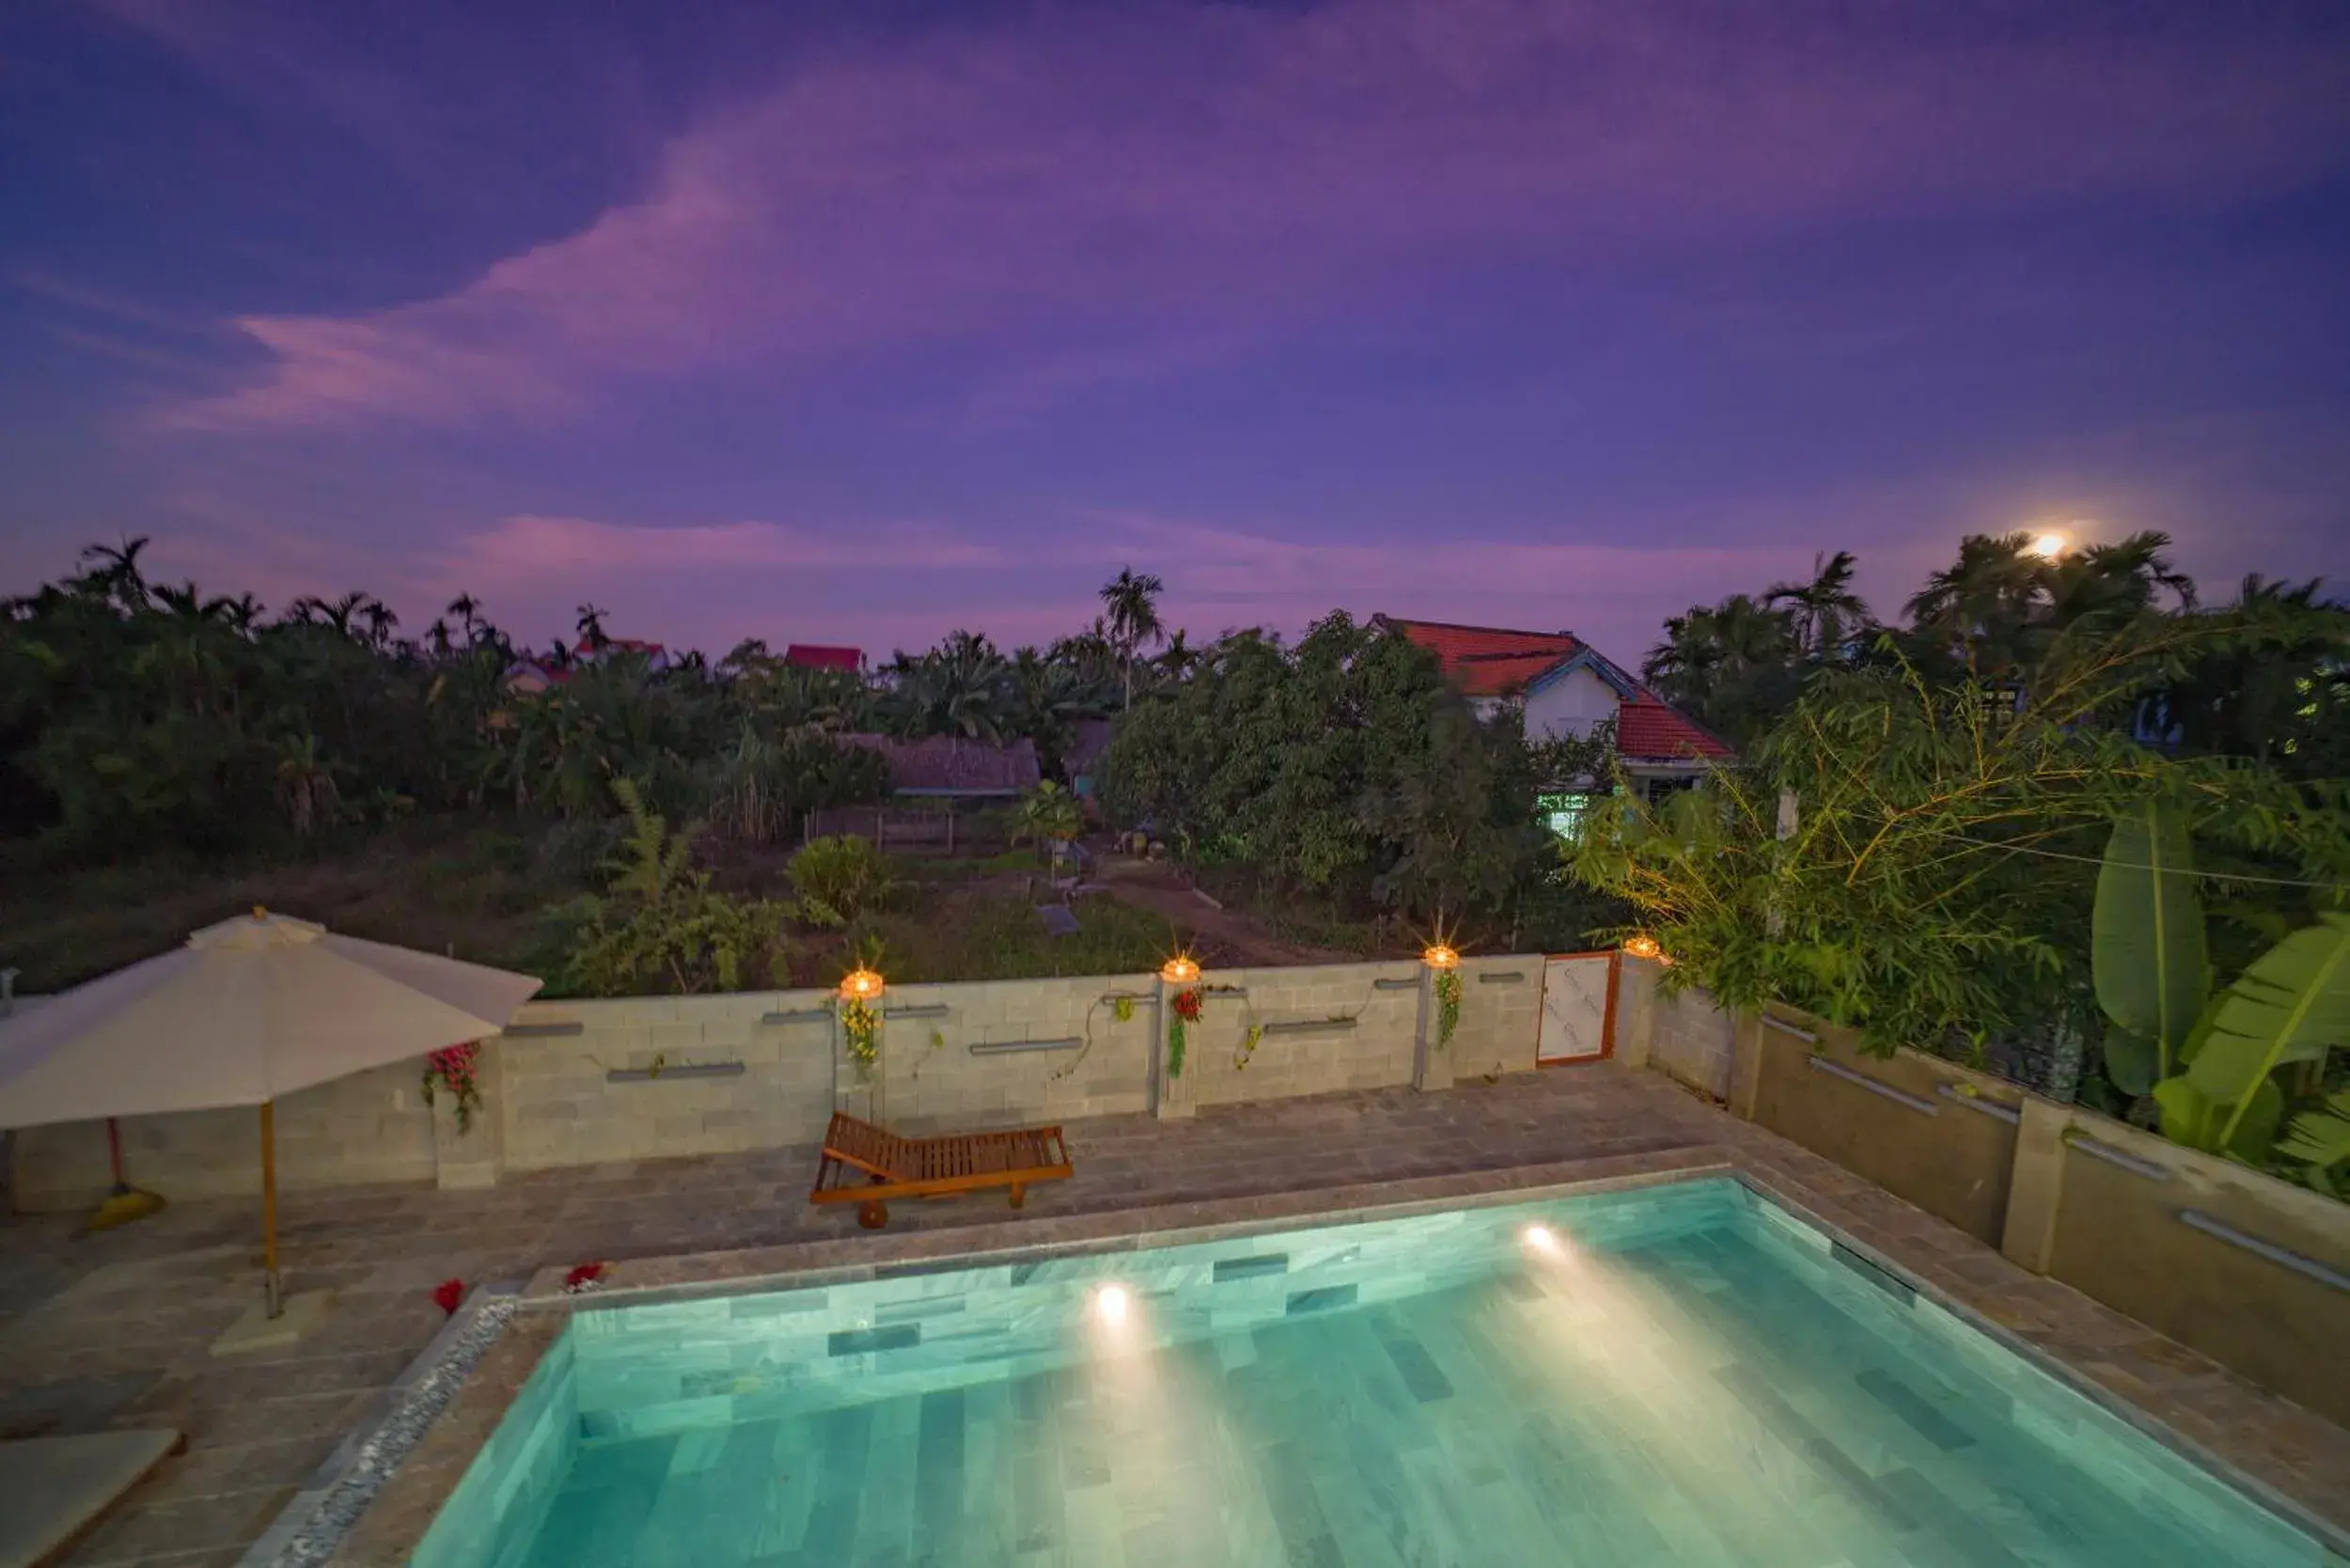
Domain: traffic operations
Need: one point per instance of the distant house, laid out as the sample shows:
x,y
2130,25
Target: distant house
x,y
944,767
1564,687
529,677
656,655
819,656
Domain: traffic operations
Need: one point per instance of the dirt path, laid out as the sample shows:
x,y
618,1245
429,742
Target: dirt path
x,y
1155,885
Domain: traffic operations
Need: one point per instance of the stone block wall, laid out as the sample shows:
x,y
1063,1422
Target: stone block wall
x,y
371,1126
556,1104
1343,1031
1685,1035
2247,1269
1501,1018
549,1099
938,1072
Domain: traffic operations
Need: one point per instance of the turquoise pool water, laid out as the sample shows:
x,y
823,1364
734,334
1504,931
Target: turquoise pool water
x,y
1677,1375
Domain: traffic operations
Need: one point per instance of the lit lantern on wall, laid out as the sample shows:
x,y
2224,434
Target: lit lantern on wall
x,y
860,984
1439,956
1645,947
1179,970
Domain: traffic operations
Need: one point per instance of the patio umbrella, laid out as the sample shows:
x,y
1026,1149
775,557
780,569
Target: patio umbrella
x,y
248,1010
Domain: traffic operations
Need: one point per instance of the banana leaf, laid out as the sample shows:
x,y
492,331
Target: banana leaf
x,y
2292,1005
2131,1061
2146,932
2194,1121
2320,1139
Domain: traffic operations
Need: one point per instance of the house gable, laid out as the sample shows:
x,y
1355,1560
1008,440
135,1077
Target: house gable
x,y
1566,688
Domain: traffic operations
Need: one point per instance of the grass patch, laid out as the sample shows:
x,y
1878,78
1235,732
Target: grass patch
x,y
1311,920
999,935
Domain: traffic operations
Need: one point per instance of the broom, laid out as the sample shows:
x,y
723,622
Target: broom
x,y
126,1203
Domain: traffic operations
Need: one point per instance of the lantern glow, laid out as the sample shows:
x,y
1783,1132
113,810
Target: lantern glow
x,y
1643,947
1439,955
860,984
1179,970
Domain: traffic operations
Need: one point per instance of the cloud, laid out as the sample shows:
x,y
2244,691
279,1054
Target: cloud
x,y
1077,180
531,547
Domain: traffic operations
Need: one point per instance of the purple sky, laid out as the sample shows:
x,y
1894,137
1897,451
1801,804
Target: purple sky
x,y
860,321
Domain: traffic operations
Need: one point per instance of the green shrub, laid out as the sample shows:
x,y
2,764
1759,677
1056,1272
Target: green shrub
x,y
840,880
662,926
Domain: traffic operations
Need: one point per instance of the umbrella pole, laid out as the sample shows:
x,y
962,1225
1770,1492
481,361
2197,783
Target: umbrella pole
x,y
271,1300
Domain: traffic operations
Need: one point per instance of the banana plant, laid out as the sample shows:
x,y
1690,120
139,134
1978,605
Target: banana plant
x,y
2320,1141
2147,948
2293,1005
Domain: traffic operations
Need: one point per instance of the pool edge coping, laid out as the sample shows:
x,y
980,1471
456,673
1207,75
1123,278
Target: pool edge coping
x,y
387,1532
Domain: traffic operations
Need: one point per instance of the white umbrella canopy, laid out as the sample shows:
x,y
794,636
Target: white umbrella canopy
x,y
250,1008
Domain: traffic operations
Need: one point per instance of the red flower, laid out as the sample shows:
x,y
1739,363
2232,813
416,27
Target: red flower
x,y
447,1293
1188,1006
581,1277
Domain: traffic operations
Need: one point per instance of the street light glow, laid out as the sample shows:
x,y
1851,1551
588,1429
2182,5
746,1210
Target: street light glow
x,y
2048,546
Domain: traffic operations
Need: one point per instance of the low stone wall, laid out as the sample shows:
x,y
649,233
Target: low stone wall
x,y
1328,1027
2251,1271
1920,1127
751,1070
583,1082
369,1128
961,1057
2173,1238
1682,1035
1501,1019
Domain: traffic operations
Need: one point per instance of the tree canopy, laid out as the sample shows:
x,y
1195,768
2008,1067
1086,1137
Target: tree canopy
x,y
1343,765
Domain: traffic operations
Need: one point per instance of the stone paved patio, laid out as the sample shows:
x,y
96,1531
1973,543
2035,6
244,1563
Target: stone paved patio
x,y
114,1329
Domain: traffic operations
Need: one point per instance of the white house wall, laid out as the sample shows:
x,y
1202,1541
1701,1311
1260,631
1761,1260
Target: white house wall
x,y
1569,707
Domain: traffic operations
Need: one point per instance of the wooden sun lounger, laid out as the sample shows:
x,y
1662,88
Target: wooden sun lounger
x,y
865,1166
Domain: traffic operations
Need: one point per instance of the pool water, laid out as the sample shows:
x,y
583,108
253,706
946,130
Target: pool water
x,y
1676,1376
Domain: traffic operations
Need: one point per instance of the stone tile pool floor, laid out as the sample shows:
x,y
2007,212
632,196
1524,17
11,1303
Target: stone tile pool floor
x,y
113,1330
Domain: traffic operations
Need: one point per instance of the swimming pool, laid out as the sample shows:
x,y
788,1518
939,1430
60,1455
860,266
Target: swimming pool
x,y
1681,1374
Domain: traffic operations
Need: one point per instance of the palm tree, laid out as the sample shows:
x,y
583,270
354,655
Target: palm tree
x,y
378,619
1179,658
1134,616
1981,606
592,628
958,688
1733,665
2108,584
113,572
1826,611
306,784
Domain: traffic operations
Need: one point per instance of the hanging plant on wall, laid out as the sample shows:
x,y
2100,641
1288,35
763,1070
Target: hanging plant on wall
x,y
1447,1006
1186,1008
455,1070
860,1026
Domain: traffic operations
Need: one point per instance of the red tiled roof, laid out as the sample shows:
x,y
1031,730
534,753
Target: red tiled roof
x,y
1648,728
819,656
1488,661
